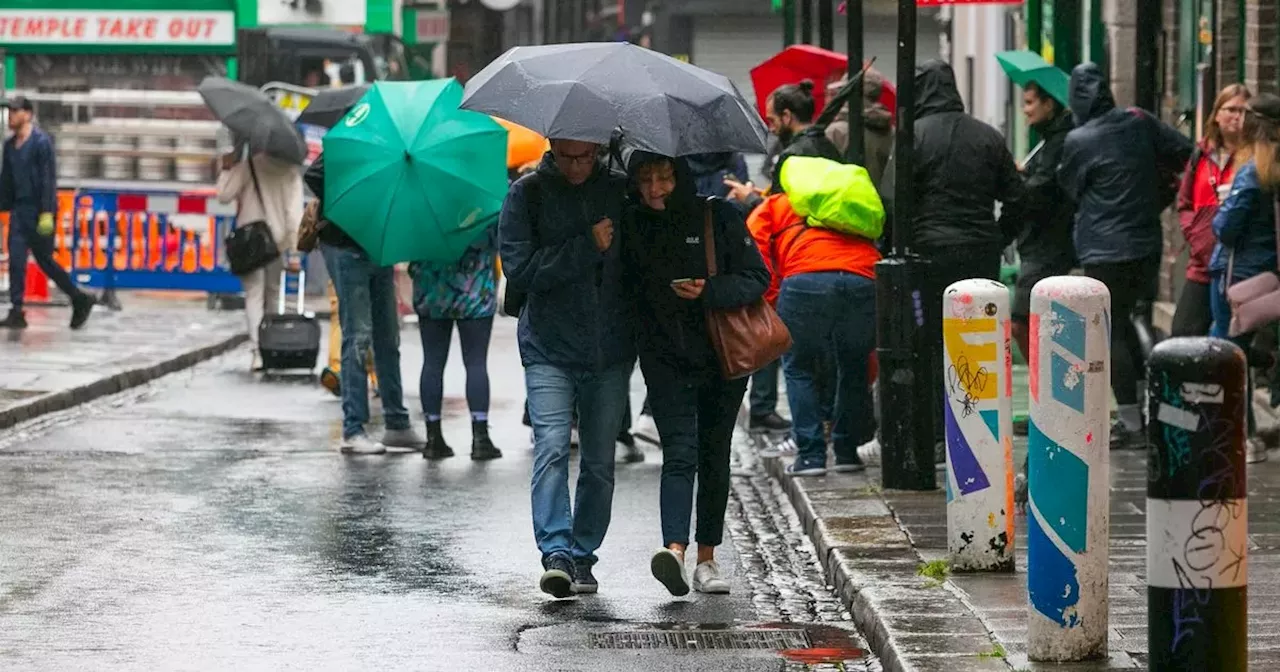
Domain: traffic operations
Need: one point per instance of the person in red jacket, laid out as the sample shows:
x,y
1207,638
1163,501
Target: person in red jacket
x,y
1206,183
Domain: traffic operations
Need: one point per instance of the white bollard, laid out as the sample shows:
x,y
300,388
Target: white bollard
x,y
977,373
1068,520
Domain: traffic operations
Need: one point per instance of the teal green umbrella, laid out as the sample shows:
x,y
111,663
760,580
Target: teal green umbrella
x,y
1024,67
410,176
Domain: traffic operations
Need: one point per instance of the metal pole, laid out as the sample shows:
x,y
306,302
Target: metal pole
x,y
1197,504
978,374
1035,25
806,21
1147,53
906,348
1068,455
826,24
853,44
1067,26
788,23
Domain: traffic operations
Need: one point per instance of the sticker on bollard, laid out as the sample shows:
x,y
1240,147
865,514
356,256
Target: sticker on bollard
x,y
977,377
1068,456
1197,507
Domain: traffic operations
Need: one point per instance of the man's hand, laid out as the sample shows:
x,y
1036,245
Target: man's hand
x,y
44,225
603,234
738,191
691,290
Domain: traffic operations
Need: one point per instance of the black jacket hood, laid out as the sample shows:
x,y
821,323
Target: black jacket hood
x,y
936,90
1090,94
683,199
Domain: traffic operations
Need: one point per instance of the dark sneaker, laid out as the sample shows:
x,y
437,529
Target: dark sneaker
x,y
584,582
848,467
1123,438
482,448
557,579
81,306
798,469
668,568
16,320
631,453
768,424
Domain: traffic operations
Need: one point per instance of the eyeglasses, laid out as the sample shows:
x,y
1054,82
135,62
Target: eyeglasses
x,y
584,159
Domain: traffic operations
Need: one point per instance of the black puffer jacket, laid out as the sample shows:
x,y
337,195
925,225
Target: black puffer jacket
x,y
962,167
1111,169
1049,215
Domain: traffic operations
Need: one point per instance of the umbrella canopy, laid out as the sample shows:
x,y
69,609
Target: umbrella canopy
x,y
826,69
411,177
253,118
523,145
586,91
1025,67
331,105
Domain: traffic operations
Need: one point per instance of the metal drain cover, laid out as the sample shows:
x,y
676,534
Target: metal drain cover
x,y
702,640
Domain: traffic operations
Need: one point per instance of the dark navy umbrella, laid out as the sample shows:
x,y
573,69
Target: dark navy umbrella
x,y
587,91
254,119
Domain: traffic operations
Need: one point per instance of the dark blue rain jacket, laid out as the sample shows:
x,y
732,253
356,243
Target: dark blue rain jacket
x,y
1245,227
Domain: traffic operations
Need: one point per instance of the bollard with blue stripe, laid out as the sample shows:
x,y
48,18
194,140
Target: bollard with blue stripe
x,y
1068,451
977,409
1197,507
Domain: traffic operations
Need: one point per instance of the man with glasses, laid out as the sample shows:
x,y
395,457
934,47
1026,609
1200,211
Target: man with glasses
x,y
558,250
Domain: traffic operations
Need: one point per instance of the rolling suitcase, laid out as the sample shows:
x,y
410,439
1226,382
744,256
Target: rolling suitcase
x,y
289,341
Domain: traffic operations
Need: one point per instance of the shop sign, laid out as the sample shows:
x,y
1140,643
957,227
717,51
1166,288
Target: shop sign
x,y
117,27
431,26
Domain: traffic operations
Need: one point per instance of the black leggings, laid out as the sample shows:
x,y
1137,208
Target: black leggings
x,y
1193,316
1131,283
436,338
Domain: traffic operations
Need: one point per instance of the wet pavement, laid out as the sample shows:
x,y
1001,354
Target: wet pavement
x,y
206,522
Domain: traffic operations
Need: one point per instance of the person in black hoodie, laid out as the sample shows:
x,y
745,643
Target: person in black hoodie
x,y
1111,167
962,169
665,266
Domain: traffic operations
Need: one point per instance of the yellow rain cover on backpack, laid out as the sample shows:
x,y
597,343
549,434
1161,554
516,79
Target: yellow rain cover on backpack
x,y
836,196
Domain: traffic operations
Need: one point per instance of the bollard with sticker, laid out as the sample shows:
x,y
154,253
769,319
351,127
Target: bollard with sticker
x,y
1197,507
977,367
1068,455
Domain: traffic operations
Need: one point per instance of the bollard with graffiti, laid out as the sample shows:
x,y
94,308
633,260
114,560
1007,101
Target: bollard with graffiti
x,y
1197,507
1068,521
977,374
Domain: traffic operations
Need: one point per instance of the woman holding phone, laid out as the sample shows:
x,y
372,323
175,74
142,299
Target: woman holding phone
x,y
695,408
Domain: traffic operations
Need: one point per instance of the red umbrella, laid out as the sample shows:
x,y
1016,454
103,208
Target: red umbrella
x,y
803,61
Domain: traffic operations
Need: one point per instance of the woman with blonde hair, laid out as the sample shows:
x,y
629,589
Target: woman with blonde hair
x,y
1206,183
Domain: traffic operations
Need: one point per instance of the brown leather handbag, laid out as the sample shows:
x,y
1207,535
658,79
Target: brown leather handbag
x,y
747,338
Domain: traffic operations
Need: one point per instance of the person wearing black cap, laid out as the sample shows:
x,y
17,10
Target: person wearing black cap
x,y
29,193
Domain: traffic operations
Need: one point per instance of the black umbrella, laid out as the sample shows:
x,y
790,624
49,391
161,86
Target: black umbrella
x,y
253,118
330,105
587,91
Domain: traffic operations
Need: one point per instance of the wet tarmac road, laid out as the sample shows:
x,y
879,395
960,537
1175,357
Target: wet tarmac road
x,y
207,523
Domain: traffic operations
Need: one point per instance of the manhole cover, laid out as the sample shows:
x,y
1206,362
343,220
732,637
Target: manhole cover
x,y
702,640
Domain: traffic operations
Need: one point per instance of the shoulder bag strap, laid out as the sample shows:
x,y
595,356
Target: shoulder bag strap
x,y
709,238
257,189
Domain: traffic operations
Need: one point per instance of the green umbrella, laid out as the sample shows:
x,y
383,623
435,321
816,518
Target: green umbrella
x,y
1024,67
410,176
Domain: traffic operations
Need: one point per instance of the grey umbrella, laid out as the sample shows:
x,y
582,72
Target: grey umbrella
x,y
586,91
254,119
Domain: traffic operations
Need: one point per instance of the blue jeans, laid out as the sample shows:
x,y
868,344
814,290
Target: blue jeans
x,y
764,391
600,398
1219,308
832,318
367,313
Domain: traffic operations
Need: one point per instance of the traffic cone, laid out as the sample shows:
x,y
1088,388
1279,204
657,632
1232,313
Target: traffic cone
x,y
37,289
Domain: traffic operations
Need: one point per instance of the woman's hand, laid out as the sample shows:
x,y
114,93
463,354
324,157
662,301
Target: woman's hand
x,y
690,290
738,191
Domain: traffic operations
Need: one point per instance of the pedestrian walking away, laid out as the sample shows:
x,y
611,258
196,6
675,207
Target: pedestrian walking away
x,y
818,239
665,253
963,168
464,296
877,124
1246,229
558,247
29,193
1112,168
264,189
370,324
1210,171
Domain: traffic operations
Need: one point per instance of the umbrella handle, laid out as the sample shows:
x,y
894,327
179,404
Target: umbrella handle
x,y
838,101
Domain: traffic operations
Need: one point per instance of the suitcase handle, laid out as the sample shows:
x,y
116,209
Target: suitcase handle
x,y
284,288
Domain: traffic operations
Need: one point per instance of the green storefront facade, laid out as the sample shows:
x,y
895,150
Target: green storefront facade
x,y
213,24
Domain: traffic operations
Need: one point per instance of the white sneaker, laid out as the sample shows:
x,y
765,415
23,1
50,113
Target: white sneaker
x,y
646,430
1255,450
869,452
785,448
361,444
668,568
707,579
